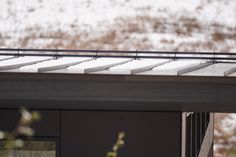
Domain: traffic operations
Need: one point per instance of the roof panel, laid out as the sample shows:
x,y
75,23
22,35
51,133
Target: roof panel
x,y
177,64
193,67
6,57
137,66
97,65
117,65
60,63
21,61
213,70
230,72
134,66
173,67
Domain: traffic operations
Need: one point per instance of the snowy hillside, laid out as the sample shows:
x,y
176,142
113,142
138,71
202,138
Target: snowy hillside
x,y
198,25
189,25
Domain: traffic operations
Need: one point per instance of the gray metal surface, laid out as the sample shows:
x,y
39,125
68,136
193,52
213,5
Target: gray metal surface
x,y
97,65
6,57
16,63
230,72
175,67
134,66
217,69
56,64
116,66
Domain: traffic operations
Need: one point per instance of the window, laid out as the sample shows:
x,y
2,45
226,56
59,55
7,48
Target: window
x,y
31,148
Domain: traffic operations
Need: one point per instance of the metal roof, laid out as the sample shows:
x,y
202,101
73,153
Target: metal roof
x,y
118,80
118,62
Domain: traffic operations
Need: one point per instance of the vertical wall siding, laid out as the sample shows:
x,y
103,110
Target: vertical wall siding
x,y
196,126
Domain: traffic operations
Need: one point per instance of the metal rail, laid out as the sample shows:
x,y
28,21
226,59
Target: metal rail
x,y
215,56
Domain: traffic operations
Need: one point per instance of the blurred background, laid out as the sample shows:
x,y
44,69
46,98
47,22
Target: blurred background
x,y
172,25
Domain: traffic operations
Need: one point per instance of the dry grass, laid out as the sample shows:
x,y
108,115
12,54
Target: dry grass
x,y
218,36
133,33
112,39
224,139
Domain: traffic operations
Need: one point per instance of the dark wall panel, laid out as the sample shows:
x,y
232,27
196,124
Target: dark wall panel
x,y
93,133
49,125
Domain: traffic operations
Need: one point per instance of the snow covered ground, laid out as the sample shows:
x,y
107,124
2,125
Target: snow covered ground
x,y
225,135
197,25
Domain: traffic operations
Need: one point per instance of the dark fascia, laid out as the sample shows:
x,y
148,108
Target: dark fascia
x,y
117,92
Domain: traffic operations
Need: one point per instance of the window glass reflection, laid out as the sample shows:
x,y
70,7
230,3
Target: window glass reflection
x,y
30,149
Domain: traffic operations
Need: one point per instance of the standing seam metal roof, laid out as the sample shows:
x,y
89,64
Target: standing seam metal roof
x,y
118,62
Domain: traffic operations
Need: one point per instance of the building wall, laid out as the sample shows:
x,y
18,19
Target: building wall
x,y
93,133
